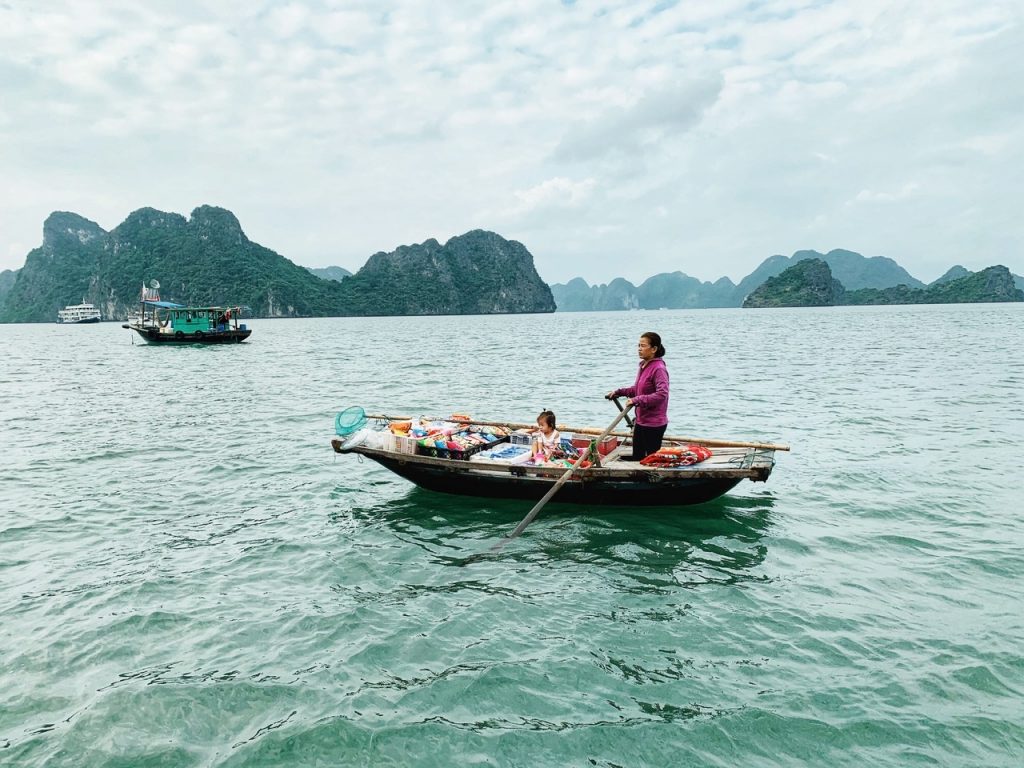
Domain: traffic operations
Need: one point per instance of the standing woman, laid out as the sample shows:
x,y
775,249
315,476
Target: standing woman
x,y
650,396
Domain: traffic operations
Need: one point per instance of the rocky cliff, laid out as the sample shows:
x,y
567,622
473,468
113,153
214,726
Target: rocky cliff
x,y
810,283
476,273
990,285
7,278
207,259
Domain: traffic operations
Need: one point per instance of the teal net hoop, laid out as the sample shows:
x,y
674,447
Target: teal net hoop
x,y
350,420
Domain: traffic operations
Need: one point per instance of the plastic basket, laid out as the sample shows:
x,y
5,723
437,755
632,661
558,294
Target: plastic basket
x,y
428,447
465,453
350,420
518,438
438,452
606,446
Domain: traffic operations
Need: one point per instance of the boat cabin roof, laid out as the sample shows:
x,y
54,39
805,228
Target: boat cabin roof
x,y
183,308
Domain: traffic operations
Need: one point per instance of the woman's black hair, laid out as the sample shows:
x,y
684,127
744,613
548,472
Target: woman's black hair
x,y
655,341
548,417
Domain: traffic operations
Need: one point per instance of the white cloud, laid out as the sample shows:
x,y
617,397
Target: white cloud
x,y
989,144
621,139
554,193
869,196
654,118
288,20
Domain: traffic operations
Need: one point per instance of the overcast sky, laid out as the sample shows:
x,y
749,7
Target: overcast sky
x,y
610,138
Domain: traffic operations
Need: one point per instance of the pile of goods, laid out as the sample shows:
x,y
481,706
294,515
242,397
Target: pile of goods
x,y
682,456
459,438
445,439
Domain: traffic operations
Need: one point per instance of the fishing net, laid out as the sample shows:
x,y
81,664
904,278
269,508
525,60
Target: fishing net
x,y
350,420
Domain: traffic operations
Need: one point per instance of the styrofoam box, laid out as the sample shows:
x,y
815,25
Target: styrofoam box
x,y
398,443
488,455
405,444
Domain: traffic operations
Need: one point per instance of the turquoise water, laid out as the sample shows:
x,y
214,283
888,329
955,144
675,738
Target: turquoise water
x,y
190,577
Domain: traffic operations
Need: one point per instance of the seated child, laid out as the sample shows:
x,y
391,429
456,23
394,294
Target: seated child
x,y
545,439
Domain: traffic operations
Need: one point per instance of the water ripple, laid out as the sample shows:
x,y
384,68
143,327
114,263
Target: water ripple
x,y
192,578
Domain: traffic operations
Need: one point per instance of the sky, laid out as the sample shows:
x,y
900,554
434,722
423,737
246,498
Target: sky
x,y
612,139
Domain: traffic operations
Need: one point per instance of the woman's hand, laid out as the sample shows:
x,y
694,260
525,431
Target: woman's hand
x,y
610,395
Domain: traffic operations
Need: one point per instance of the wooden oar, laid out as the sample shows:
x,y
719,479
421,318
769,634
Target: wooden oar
x,y
629,421
561,481
594,431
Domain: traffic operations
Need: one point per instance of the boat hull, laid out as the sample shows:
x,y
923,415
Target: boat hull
x,y
682,491
87,321
153,336
615,483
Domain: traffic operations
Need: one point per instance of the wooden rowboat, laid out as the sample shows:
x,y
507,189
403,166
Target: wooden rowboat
x,y
614,482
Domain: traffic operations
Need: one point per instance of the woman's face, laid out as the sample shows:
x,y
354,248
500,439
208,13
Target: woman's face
x,y
645,350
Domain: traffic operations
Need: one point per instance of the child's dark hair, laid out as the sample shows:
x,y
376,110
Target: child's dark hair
x,y
548,417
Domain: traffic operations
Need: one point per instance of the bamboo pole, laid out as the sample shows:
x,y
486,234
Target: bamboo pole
x,y
714,443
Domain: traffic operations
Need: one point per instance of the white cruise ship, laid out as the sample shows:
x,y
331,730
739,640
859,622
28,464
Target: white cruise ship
x,y
78,313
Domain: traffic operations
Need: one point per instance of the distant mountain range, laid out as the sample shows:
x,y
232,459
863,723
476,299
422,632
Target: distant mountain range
x,y
330,273
206,260
810,283
677,290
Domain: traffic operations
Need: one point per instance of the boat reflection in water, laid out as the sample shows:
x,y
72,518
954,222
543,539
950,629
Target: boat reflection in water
x,y
641,548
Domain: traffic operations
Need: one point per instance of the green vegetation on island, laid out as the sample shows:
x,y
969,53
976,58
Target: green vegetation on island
x,y
7,278
207,260
810,283
807,283
475,273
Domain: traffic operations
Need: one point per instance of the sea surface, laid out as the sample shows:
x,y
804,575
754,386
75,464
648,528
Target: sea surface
x,y
189,576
